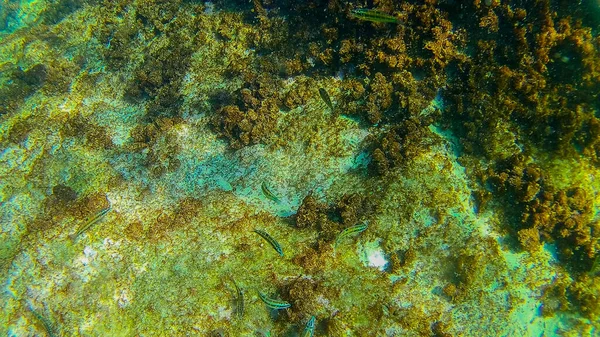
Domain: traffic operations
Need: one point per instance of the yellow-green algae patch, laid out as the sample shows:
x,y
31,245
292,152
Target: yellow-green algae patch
x,y
158,264
175,114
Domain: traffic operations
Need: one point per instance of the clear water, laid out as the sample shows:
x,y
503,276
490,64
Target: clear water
x,y
143,143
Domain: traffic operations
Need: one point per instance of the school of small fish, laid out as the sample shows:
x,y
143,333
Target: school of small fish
x,y
271,303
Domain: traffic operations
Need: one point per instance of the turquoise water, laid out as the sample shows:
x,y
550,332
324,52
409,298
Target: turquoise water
x,y
422,168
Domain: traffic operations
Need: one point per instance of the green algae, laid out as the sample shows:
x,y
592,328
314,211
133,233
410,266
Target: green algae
x,y
125,103
45,322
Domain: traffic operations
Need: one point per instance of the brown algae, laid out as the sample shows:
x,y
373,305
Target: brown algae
x,y
473,145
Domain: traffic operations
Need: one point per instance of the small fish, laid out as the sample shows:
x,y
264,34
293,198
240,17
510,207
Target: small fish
x,y
45,322
239,300
325,98
270,240
373,15
359,228
90,222
309,330
272,303
267,192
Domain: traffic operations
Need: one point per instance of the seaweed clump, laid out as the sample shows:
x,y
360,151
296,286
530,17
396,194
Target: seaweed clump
x,y
579,295
306,296
541,213
94,136
329,220
158,77
584,295
403,142
63,193
523,88
525,92
587,140
248,127
373,101
565,217
253,119
155,142
309,213
57,10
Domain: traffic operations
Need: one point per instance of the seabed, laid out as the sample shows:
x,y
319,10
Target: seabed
x,y
421,168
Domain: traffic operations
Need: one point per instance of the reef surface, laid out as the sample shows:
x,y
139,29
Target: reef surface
x,y
422,168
